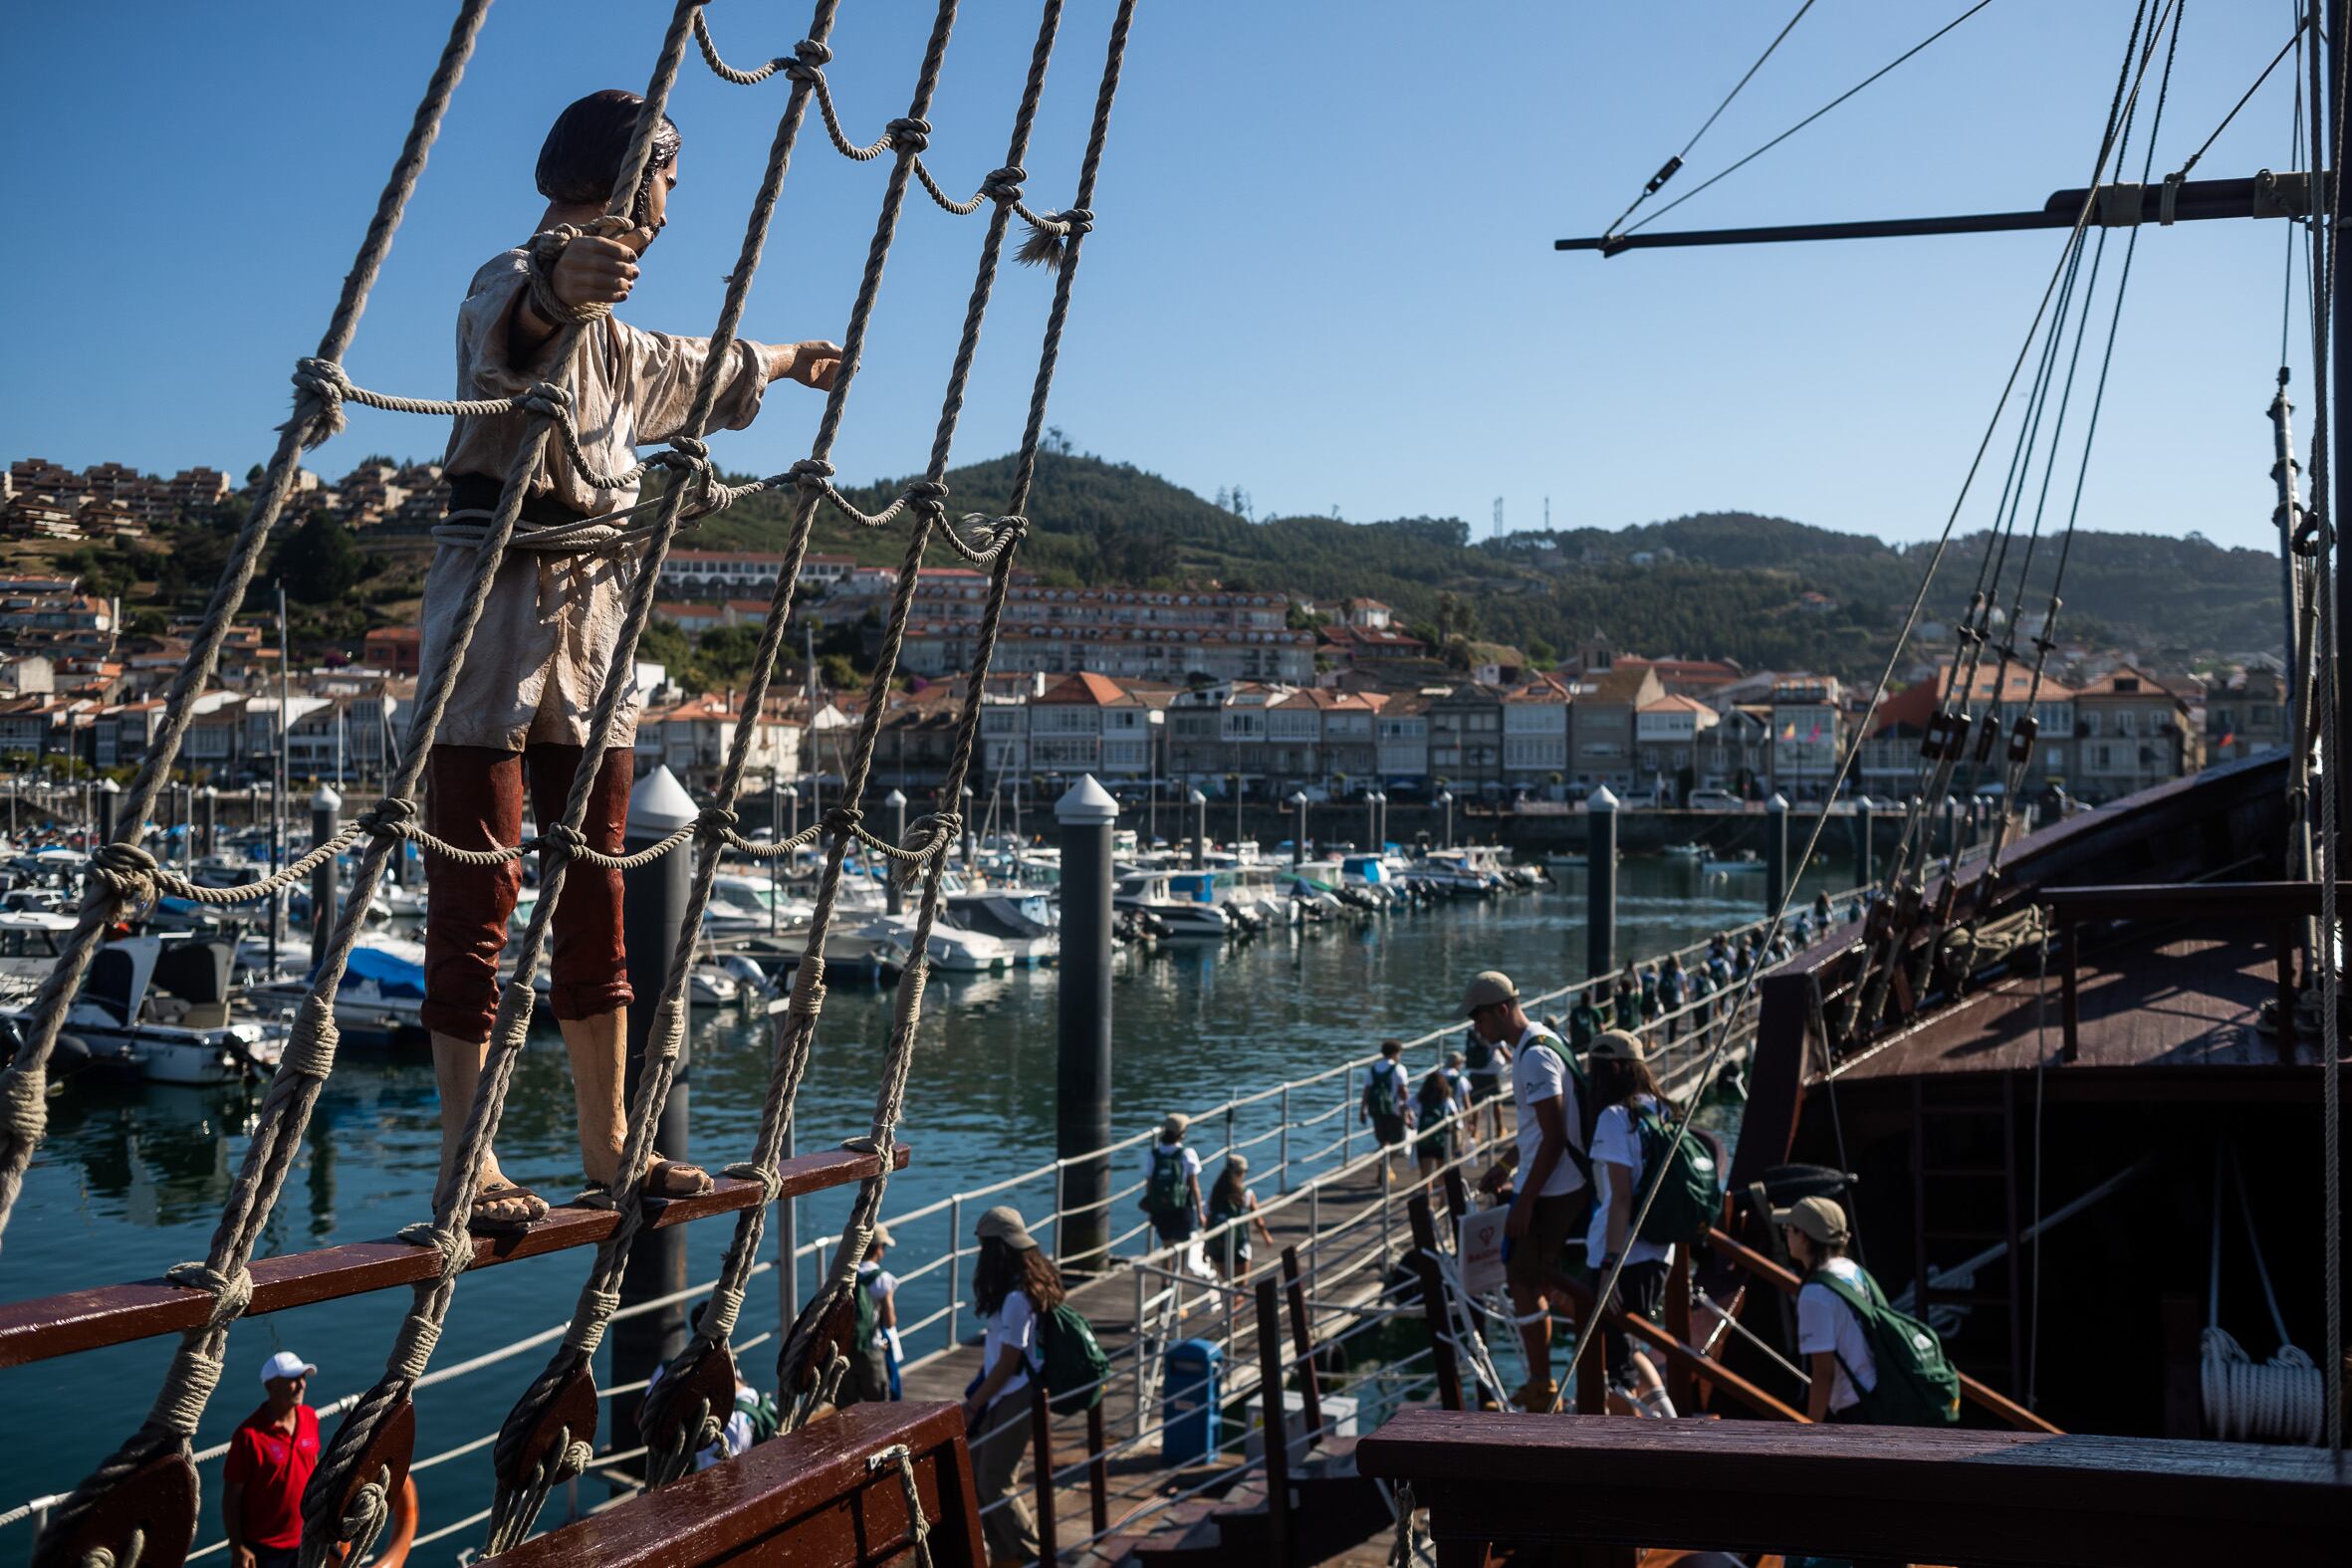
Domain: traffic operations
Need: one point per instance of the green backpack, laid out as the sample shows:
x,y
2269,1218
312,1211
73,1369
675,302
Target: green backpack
x,y
1167,1192
869,1316
1917,1386
1073,1364
1688,1178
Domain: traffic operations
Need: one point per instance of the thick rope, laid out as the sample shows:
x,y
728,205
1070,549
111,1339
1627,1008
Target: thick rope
x,y
454,1202
889,1100
24,1084
918,1528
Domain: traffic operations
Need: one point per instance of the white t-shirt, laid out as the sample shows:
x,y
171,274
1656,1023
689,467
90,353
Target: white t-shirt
x,y
1538,1074
878,1281
1616,1141
1151,1159
1823,1323
1011,1331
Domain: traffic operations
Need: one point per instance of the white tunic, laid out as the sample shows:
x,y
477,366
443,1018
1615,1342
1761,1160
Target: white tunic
x,y
545,639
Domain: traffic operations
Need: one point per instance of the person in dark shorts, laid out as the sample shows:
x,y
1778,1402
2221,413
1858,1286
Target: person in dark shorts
x,y
1387,1101
1546,1091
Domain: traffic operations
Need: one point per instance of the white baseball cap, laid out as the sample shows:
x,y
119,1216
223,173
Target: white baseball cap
x,y
286,1364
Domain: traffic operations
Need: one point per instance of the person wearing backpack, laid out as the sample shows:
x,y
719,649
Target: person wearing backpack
x,y
1015,1286
1433,1113
1672,993
1232,1214
1588,1019
873,1365
1868,1362
1484,1064
1547,1093
1627,1093
1627,1014
1386,1103
1172,1184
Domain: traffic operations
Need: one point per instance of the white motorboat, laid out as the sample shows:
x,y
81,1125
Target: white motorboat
x,y
1026,922
163,1009
1747,860
1453,871
380,999
952,950
1183,901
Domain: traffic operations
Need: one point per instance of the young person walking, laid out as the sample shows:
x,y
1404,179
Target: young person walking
x,y
1386,1103
1172,1184
1014,1286
1829,1334
1233,1214
1547,1094
1433,1115
1627,1093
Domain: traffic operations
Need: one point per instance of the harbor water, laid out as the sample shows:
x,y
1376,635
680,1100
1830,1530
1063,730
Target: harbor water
x,y
132,1182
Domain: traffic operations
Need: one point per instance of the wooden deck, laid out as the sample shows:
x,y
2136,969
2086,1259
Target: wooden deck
x,y
2159,1012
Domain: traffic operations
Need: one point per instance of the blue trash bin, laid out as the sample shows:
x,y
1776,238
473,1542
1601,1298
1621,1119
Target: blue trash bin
x,y
1190,1402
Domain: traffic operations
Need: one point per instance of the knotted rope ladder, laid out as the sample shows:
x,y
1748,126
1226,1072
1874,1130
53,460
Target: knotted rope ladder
x,y
346,1504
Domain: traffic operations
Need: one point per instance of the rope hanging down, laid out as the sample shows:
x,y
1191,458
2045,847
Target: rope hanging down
x,y
1605,1291
24,1084
310,1054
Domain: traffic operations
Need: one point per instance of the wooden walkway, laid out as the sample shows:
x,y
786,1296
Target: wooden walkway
x,y
1348,1240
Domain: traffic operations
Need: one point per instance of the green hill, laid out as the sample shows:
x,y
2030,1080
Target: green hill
x,y
1727,584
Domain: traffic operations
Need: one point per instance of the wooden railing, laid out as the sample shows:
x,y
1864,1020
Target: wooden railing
x,y
80,1320
1984,1398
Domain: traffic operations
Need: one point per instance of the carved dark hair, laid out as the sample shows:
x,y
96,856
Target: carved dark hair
x,y
581,156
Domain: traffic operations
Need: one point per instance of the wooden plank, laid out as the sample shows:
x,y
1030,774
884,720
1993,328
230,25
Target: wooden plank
x,y
812,1498
1913,1495
79,1320
1990,1400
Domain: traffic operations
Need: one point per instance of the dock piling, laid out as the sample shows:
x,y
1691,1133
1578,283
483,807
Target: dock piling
x,y
1600,883
1865,852
653,904
893,889
1200,829
326,818
1776,852
109,797
1088,818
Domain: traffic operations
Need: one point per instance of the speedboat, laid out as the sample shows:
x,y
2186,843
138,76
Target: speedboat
x,y
164,1007
1183,901
1022,921
951,949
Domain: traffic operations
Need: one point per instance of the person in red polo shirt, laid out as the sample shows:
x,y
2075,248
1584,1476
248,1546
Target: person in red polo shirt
x,y
271,1458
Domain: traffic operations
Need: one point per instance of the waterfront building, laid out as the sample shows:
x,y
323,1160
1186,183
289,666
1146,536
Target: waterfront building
x,y
1535,736
1602,735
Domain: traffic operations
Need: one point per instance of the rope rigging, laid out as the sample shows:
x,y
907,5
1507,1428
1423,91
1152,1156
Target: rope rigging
x,y
126,876
1606,1290
1800,124
1673,166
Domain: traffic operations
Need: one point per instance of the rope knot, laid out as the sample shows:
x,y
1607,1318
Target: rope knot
x,y
455,1246
547,399
715,822
562,839
24,1103
809,57
322,385
1004,184
125,872
926,496
909,136
231,1293
844,820
810,473
770,1181
1077,221
391,816
691,448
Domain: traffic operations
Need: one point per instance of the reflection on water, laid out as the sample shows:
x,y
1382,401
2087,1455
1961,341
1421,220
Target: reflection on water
x,y
132,1182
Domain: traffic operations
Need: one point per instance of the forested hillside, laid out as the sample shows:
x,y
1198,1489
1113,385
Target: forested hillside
x,y
1726,584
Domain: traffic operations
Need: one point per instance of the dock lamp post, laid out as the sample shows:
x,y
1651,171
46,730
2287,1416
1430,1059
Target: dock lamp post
x,y
1200,828
892,892
970,833
1297,805
1445,801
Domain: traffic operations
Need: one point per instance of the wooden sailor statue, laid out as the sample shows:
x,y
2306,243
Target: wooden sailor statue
x,y
518,716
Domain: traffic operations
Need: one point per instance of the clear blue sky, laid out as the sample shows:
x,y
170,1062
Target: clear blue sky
x,y
1322,267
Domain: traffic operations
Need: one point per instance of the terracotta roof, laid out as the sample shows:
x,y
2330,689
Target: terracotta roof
x,y
1676,705
1084,688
